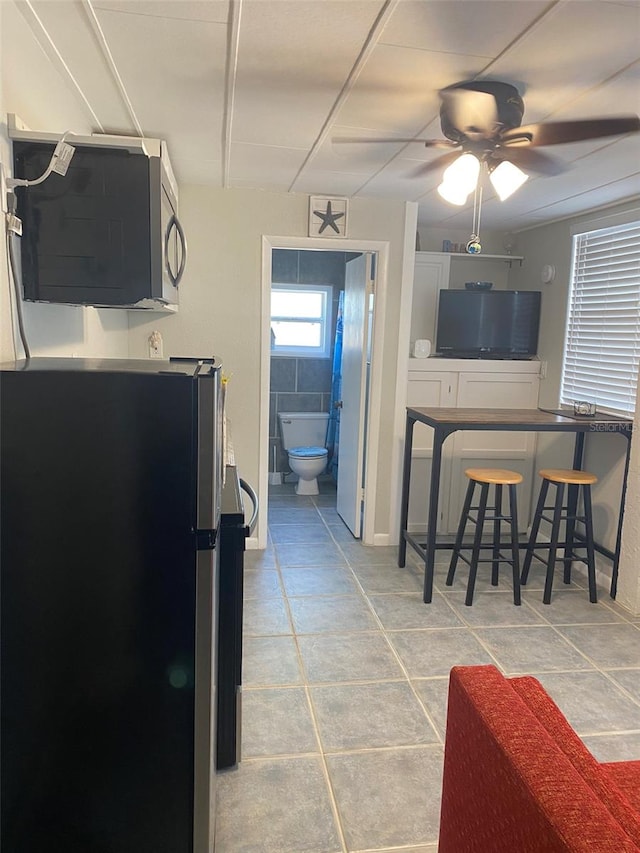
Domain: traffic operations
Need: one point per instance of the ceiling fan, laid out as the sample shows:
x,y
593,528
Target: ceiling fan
x,y
481,122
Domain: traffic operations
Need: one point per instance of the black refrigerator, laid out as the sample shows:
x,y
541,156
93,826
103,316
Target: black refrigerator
x,y
110,483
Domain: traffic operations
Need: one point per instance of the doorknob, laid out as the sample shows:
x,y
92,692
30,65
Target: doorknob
x,y
337,404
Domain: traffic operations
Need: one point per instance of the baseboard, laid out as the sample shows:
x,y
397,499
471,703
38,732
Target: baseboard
x,y
381,539
251,543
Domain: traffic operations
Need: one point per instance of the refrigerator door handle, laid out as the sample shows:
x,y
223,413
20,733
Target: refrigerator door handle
x,y
254,500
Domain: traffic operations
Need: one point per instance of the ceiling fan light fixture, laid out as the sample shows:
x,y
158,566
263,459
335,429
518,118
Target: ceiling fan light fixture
x,y
506,179
460,179
452,194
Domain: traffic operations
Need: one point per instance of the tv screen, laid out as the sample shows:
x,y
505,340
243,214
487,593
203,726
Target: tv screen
x,y
488,324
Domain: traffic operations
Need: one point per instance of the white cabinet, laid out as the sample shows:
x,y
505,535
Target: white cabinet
x,y
434,271
470,383
431,274
427,388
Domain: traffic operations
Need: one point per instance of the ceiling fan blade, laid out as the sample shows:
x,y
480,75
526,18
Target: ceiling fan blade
x,y
434,165
429,143
559,132
473,113
529,160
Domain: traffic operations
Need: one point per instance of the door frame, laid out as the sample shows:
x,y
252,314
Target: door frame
x,y
381,248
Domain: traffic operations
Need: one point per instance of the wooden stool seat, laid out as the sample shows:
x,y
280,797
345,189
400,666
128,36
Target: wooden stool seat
x,y
495,476
564,511
562,475
484,478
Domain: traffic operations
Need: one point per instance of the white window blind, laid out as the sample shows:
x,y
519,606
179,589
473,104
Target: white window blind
x,y
602,345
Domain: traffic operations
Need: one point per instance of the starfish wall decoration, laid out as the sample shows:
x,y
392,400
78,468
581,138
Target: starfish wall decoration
x,y
327,217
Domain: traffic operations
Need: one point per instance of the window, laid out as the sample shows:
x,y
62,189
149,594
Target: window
x,y
301,320
602,346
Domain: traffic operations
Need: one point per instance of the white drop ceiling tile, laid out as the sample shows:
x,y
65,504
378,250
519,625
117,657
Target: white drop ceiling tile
x,y
376,154
264,166
460,26
294,58
190,10
397,89
173,71
573,48
199,144
617,150
355,157
67,26
597,169
619,95
320,182
564,207
200,171
24,66
399,179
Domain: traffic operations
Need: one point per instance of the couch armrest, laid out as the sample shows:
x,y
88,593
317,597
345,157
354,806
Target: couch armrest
x,y
551,717
506,785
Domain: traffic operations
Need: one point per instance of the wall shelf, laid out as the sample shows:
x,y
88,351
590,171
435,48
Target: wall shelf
x,y
507,258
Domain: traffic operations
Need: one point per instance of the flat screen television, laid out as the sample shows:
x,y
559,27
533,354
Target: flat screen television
x,y
488,324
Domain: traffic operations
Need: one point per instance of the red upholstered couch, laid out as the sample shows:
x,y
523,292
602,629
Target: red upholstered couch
x,y
518,779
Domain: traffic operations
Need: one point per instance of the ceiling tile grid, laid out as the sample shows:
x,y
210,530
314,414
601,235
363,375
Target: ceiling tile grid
x,y
254,93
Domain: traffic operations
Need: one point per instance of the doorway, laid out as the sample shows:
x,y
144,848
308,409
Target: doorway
x,y
361,435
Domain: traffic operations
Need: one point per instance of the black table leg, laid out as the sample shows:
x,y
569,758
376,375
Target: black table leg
x,y
439,436
578,451
616,558
406,479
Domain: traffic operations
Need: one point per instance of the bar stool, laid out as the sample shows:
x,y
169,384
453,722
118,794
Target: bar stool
x,y
567,512
485,477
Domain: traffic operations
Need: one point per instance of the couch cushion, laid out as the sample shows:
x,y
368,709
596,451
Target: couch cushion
x,y
557,725
506,785
626,775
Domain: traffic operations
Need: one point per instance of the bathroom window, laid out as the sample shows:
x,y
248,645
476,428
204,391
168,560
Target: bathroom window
x,y
301,320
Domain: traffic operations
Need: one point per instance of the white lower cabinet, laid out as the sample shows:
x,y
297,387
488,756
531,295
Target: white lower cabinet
x,y
476,384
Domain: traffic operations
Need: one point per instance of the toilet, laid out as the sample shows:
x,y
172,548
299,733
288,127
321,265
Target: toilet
x,y
303,437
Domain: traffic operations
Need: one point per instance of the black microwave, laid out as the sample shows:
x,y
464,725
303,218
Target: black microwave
x,y
105,234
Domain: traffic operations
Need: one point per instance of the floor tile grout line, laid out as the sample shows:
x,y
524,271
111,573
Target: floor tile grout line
x,y
337,818
393,650
542,621
438,743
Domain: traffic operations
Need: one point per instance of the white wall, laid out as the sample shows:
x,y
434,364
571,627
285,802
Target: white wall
x,y
31,87
221,302
551,244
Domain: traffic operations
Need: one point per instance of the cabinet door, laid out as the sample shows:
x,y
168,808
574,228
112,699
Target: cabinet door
x,y
427,389
508,449
431,274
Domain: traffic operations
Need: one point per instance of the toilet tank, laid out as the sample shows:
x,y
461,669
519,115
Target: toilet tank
x,y
303,429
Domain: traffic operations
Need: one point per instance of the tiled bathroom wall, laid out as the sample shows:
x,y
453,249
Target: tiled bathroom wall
x,y
302,384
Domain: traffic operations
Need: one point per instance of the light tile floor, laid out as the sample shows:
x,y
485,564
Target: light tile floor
x,y
345,684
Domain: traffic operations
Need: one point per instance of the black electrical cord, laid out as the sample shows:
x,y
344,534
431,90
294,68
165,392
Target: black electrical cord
x,y
13,274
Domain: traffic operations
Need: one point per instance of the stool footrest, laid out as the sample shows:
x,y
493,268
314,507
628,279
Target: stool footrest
x,y
502,559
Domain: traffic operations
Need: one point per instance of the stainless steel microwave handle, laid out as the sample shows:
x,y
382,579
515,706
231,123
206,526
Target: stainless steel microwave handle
x,y
174,222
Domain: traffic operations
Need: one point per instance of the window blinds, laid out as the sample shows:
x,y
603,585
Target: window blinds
x,y
602,346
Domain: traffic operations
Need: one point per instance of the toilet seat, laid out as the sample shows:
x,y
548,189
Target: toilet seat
x,y
308,452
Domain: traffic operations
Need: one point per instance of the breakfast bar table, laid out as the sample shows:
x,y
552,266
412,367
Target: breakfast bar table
x,y
445,421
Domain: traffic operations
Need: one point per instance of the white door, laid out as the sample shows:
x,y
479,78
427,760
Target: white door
x,y
355,346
